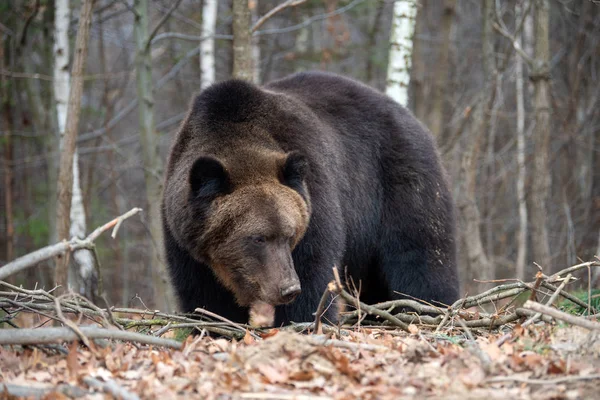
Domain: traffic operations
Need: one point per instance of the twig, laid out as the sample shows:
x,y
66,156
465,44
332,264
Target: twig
x,y
160,23
321,307
8,389
71,325
485,359
563,316
556,381
275,10
111,387
369,309
233,324
574,268
28,336
568,296
549,302
323,341
48,252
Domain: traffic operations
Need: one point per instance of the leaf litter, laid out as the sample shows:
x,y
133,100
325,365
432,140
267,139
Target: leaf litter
x,y
288,365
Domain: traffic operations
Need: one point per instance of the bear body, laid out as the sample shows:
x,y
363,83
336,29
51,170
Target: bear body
x,y
268,188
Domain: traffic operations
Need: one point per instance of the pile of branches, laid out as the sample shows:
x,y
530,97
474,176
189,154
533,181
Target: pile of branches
x,y
469,312
88,323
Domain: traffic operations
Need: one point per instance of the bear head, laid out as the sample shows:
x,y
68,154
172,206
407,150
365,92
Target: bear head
x,y
255,209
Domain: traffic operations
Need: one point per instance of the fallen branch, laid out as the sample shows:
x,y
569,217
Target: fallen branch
x,y
339,290
7,390
55,335
564,379
563,316
45,253
110,387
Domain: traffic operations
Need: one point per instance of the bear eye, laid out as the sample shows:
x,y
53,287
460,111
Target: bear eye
x,y
258,240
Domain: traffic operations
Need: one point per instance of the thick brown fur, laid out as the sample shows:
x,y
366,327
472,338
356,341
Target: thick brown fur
x,y
267,186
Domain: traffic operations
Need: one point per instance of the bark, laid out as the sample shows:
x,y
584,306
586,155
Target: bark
x,y
65,175
521,170
207,47
82,274
403,30
470,215
153,166
242,41
417,74
540,75
8,156
254,16
436,117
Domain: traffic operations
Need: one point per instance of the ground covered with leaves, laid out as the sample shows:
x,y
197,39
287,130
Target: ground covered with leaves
x,y
539,362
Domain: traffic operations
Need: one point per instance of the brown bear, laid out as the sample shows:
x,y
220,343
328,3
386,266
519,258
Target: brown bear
x,y
268,188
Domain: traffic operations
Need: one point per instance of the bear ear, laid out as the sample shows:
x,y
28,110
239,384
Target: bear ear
x,y
208,177
294,170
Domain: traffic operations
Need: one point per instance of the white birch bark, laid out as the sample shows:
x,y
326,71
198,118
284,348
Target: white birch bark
x,y
207,46
403,28
83,258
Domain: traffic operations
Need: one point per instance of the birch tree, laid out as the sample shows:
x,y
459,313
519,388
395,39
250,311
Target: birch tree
x,y
403,29
83,275
70,110
207,46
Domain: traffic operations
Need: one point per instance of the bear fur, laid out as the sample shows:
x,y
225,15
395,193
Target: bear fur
x,y
268,188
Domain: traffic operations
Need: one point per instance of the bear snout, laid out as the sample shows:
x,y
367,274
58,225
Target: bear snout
x,y
290,292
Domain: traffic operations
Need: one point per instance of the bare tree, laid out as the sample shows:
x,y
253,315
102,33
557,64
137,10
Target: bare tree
x,y
149,139
521,171
65,174
8,155
242,41
540,75
83,275
403,30
472,141
436,117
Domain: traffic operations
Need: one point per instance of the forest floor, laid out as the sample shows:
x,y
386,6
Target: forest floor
x,y
542,361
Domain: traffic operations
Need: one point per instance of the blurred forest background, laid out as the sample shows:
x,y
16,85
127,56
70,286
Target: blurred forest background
x,y
509,88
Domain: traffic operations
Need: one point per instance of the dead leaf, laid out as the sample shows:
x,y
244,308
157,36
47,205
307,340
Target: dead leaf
x,y
272,374
248,339
72,362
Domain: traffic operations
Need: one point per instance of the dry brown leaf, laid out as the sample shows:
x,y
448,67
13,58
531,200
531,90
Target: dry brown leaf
x,y
248,339
72,361
273,375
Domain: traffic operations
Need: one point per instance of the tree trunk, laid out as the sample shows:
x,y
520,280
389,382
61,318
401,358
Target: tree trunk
x,y
207,47
403,29
5,102
153,167
82,274
418,83
521,171
540,75
436,117
470,216
242,41
65,174
254,16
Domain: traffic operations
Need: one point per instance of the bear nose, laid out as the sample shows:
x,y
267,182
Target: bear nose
x,y
289,293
